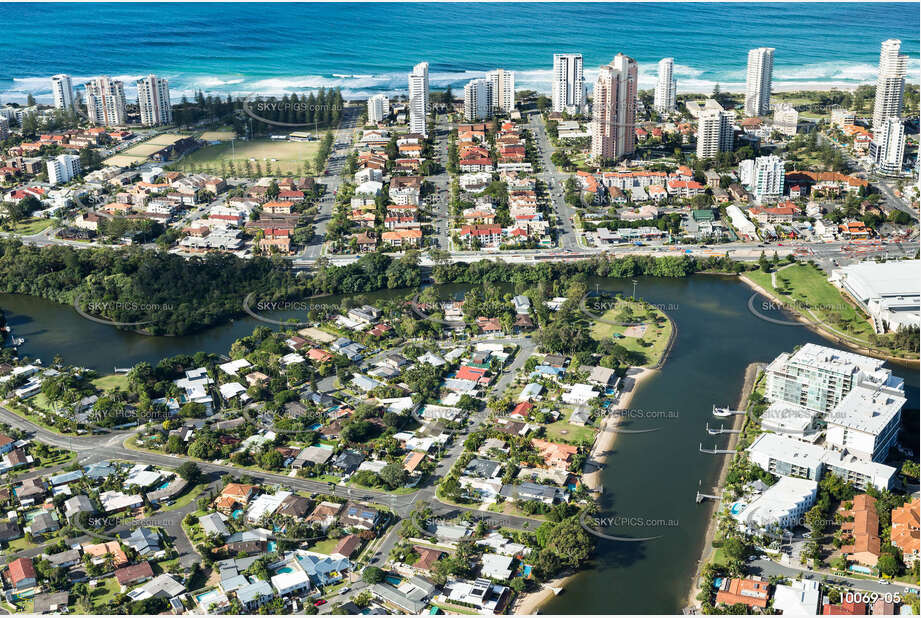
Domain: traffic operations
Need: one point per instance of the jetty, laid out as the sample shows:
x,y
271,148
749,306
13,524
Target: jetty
x,y
715,451
721,430
721,412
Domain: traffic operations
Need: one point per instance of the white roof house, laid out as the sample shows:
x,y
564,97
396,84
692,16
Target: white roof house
x,y
233,367
889,291
113,501
265,504
496,566
231,390
800,598
580,394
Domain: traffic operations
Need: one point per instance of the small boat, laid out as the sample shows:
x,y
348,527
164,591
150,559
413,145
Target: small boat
x,y
721,411
18,340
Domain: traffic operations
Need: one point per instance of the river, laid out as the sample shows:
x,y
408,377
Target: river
x,y
653,476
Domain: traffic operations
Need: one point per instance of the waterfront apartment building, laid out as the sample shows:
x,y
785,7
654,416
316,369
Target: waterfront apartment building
x,y
503,89
153,101
105,101
63,168
758,81
859,400
478,99
378,108
782,455
568,89
763,177
714,130
4,127
62,91
841,117
666,92
419,98
781,506
890,84
614,110
817,377
888,147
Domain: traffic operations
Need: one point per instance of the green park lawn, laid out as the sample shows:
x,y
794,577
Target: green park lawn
x,y
653,342
32,226
111,381
806,287
288,157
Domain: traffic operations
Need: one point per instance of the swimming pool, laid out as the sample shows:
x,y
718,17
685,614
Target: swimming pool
x,y
271,547
285,570
164,485
237,514
737,507
859,568
393,580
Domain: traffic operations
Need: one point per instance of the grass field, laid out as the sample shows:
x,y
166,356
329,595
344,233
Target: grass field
x,y
288,156
562,431
139,153
31,226
651,345
111,381
808,288
213,136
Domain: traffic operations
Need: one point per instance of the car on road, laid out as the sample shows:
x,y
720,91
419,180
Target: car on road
x,y
344,590
319,603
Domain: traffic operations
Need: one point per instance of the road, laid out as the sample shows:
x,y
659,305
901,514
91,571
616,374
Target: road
x,y
331,180
553,179
769,567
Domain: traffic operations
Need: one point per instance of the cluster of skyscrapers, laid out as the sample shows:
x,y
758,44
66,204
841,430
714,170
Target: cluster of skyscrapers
x,y
105,99
484,96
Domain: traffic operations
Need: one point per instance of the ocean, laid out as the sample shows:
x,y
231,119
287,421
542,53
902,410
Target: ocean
x,y
244,48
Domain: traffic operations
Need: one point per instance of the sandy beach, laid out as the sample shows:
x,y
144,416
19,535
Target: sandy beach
x,y
530,603
604,442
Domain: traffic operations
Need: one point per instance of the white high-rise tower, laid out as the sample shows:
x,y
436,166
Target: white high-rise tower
x,y
153,101
419,98
666,87
503,89
105,101
478,99
758,81
63,91
890,84
568,83
378,108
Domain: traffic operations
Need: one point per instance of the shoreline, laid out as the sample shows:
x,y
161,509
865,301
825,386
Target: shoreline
x,y
751,375
605,440
823,332
530,603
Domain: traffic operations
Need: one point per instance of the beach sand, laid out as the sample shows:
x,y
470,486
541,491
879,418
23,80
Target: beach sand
x,y
604,442
529,604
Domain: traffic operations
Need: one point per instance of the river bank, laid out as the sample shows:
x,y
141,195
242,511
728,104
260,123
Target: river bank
x,y
825,331
751,376
604,443
529,604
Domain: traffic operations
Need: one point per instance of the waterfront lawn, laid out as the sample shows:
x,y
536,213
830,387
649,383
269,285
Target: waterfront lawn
x,y
562,431
804,285
651,346
112,381
289,157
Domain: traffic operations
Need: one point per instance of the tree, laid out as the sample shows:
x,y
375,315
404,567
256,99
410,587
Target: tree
x,y
372,575
394,475
888,564
189,471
